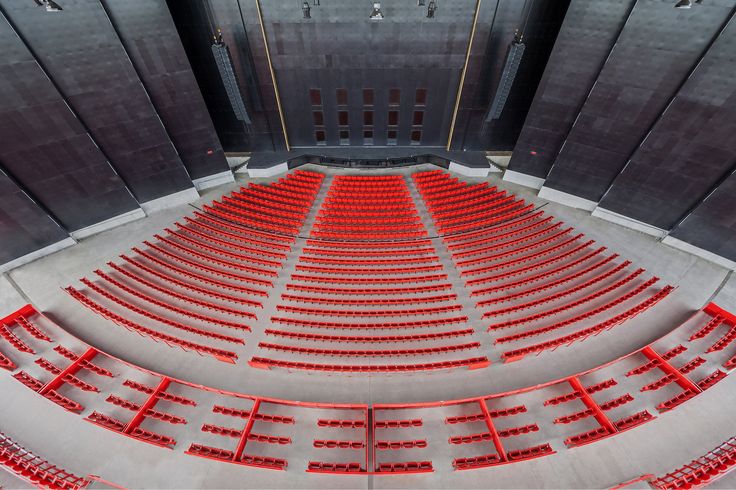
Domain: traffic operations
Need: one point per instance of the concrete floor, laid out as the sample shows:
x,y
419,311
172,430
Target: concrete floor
x,y
656,447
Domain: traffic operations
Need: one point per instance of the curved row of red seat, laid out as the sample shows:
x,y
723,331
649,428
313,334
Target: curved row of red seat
x,y
260,432
223,258
35,469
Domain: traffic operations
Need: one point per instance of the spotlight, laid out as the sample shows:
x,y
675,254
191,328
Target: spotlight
x,y
306,9
683,4
376,14
431,9
50,5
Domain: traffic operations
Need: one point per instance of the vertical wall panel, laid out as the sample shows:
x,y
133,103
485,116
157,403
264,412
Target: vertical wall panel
x,y
539,21
712,225
47,149
585,39
152,42
197,22
82,54
658,47
340,47
691,147
24,227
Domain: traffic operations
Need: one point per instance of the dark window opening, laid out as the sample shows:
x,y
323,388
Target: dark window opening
x,y
320,137
393,118
394,96
342,118
315,95
367,96
368,118
418,118
344,137
319,118
416,137
391,137
421,96
342,96
368,137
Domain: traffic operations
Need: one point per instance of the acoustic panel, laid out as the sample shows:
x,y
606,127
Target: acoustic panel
x,y
690,149
24,227
82,54
712,225
152,42
45,147
586,37
657,49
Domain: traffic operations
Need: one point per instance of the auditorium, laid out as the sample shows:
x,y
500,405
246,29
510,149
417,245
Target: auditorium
x,y
362,244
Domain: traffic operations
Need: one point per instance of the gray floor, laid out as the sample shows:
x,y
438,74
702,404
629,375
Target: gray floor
x,y
667,442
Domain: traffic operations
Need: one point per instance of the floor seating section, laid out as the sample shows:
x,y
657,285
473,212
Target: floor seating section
x,y
35,470
701,471
199,284
539,283
382,439
368,266
369,291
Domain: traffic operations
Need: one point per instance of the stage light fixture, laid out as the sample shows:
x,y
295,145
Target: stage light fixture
x,y
431,9
306,10
50,5
376,14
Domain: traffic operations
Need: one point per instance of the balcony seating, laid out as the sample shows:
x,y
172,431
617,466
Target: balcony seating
x,y
35,470
701,471
252,431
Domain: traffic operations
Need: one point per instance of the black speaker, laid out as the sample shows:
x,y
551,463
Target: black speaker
x,y
513,60
227,74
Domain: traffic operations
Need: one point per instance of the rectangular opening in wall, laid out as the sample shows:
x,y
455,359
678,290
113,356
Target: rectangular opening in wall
x,y
391,137
418,118
416,137
342,96
342,118
368,118
319,118
420,97
393,118
367,96
394,96
315,96
368,137
344,137
320,137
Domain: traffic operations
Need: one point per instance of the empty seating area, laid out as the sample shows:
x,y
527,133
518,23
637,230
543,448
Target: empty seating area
x,y
368,266
539,284
35,470
267,433
200,284
701,471
332,277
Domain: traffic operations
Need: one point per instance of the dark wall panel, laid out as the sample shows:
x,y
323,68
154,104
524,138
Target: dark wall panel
x,y
82,54
152,42
340,47
47,149
539,21
24,226
585,39
656,50
691,148
712,225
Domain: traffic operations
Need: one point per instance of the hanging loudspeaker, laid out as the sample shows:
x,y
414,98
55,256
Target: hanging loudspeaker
x,y
513,59
227,74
